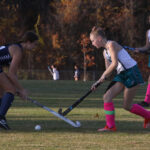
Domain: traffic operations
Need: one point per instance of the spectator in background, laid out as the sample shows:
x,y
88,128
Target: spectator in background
x,y
55,72
76,73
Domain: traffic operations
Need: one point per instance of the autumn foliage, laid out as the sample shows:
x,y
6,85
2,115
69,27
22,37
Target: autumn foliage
x,y
64,26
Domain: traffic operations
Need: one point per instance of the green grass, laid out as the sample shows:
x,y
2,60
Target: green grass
x,y
57,135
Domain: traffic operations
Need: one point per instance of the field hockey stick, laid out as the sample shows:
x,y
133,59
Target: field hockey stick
x,y
76,103
132,49
50,70
74,124
129,48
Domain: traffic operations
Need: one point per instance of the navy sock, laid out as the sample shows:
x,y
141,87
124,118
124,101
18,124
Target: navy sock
x,y
6,102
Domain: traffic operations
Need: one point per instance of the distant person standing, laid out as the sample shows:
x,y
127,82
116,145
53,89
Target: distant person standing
x,y
76,73
55,72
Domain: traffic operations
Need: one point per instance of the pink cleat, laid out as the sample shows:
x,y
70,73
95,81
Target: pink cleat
x,y
146,123
107,129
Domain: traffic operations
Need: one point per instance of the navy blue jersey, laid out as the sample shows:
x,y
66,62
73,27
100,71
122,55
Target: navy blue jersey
x,y
5,57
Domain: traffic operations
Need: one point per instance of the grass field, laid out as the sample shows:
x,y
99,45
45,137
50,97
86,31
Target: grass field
x,y
57,135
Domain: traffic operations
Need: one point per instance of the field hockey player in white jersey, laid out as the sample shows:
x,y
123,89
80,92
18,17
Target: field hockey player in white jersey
x,y
145,48
127,79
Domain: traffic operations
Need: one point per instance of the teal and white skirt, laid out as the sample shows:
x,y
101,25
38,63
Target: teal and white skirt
x,y
130,77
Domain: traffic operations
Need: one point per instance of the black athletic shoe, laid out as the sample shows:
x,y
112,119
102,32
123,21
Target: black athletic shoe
x,y
143,104
4,125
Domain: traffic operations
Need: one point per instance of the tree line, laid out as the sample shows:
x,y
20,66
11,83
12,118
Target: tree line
x,y
63,27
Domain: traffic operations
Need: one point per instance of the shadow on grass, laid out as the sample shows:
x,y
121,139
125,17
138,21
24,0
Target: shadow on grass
x,y
49,126
65,104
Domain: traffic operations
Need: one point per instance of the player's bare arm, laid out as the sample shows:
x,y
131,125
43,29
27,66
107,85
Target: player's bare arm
x,y
113,52
16,54
147,45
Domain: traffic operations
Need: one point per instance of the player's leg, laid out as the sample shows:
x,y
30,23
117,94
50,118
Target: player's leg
x,y
113,90
1,95
129,94
7,98
146,101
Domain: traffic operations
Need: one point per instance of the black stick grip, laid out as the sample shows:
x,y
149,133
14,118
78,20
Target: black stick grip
x,y
78,101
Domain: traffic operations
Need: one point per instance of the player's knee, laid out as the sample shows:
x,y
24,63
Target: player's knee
x,y
106,98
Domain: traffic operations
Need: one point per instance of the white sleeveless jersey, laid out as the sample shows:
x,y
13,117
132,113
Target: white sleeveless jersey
x,y
148,35
125,61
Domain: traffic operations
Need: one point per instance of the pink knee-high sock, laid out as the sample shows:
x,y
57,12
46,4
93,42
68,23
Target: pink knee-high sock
x,y
147,96
109,114
139,110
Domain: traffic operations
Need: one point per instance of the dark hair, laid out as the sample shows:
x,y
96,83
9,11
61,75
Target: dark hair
x,y
29,36
97,31
53,66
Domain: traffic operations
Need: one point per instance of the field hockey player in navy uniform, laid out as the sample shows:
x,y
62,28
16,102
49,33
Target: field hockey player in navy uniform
x,y
11,56
127,79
